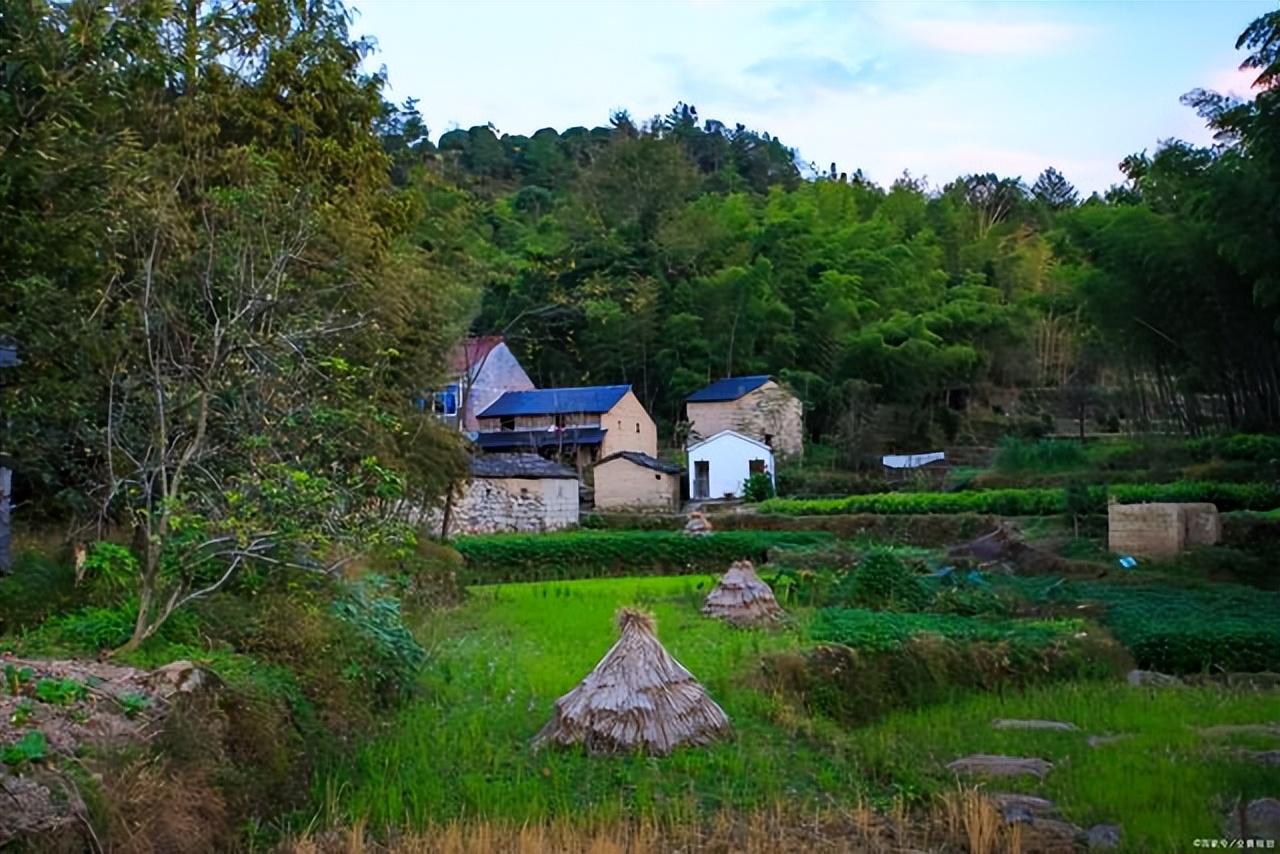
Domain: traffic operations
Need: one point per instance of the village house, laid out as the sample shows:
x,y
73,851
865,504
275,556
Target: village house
x,y
720,465
753,406
630,480
481,370
512,492
578,425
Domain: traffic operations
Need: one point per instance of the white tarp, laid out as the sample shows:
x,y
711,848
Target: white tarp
x,y
912,461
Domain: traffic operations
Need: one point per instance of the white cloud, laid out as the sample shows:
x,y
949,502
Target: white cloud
x,y
1234,81
988,37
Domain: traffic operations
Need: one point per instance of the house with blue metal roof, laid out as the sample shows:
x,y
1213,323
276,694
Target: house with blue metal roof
x,y
754,406
579,425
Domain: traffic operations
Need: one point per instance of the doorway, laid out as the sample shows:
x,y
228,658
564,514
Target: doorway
x,y
702,479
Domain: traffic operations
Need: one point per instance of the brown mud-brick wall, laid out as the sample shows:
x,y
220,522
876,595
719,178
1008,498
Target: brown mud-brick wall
x,y
1161,530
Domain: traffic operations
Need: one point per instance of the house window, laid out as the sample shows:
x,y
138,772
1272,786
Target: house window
x,y
637,426
756,467
507,422
657,477
445,401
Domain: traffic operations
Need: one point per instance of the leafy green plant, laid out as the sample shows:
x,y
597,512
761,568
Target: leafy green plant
x,y
134,704
110,568
59,692
32,747
22,713
15,678
392,656
758,487
882,581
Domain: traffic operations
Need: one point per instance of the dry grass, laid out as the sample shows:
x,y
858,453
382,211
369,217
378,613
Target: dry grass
x,y
963,820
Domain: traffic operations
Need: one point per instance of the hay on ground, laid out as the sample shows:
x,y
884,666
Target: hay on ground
x,y
742,599
638,698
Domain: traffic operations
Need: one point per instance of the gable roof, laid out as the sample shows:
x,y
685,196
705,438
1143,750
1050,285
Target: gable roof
x,y
643,460
529,466
723,434
470,354
729,388
556,401
569,437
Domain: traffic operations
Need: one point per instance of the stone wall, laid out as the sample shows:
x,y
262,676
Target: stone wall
x,y
768,414
497,505
1161,530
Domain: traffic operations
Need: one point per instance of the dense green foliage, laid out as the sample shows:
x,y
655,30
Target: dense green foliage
x,y
1182,629
884,630
585,554
1033,502
882,581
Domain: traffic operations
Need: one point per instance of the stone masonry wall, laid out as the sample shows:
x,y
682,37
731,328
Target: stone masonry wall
x,y
496,505
1161,530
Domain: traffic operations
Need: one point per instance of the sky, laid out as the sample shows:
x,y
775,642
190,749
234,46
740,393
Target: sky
x,y
939,89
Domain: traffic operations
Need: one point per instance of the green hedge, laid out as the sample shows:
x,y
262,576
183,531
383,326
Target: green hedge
x,y
1032,502
589,554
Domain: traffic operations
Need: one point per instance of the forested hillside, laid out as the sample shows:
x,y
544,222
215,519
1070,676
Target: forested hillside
x,y
669,252
205,239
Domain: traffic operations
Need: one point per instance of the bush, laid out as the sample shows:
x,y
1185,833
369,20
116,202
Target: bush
x,y
801,482
589,554
930,531
882,581
391,656
1034,502
758,487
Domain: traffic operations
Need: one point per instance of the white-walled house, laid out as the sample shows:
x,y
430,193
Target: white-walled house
x,y
719,465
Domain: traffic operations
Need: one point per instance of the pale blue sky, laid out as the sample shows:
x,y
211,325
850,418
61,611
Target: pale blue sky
x,y
941,89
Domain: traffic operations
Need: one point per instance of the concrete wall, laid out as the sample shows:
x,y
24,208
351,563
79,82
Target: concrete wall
x,y
622,485
499,372
494,505
629,428
1161,530
729,458
768,411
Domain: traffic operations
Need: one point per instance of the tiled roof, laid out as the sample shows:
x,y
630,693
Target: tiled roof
x,y
644,460
730,388
555,401
518,465
470,354
569,437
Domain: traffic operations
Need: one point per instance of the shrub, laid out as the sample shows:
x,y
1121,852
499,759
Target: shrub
x,y
588,554
392,656
882,581
758,487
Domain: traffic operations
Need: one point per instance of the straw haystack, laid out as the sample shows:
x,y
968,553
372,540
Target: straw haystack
x,y
637,698
742,599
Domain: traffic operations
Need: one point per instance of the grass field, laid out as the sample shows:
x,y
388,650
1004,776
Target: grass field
x,y
498,663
